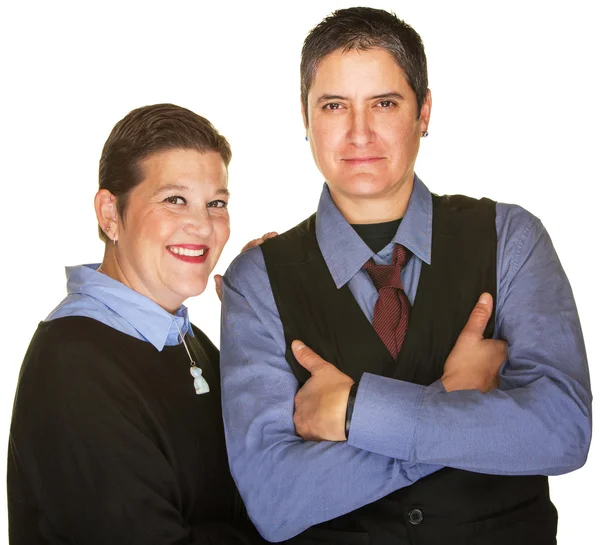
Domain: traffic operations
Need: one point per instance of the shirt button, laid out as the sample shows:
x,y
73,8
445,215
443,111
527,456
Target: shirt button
x,y
415,516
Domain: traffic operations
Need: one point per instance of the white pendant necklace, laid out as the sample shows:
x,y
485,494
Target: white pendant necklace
x,y
200,384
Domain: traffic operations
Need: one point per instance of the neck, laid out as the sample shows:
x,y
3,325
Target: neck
x,y
365,209
111,267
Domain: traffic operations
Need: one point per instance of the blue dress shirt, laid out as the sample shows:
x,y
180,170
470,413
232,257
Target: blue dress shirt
x,y
537,422
98,296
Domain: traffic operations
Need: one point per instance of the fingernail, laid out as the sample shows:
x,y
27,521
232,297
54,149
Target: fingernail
x,y
298,345
484,299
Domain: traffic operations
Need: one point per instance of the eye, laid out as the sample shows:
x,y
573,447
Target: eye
x,y
332,106
175,199
217,204
385,104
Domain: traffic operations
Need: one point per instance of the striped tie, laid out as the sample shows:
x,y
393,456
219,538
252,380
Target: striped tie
x,y
390,318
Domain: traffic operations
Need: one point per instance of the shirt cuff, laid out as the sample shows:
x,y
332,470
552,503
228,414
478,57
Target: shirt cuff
x,y
385,416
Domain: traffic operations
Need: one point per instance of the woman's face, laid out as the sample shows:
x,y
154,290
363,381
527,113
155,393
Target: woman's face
x,y
364,128
175,226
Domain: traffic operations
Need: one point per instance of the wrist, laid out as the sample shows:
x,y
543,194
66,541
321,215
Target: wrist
x,y
350,408
457,381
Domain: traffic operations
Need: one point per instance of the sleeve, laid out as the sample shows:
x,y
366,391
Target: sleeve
x,y
83,465
287,484
539,420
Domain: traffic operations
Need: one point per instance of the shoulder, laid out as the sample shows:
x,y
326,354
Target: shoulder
x,y
459,215
251,263
72,345
71,331
515,218
247,295
518,230
247,270
525,249
75,365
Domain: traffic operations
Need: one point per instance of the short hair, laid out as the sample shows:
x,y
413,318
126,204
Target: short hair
x,y
362,29
144,132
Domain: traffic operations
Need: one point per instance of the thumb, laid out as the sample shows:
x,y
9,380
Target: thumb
x,y
219,286
480,315
310,360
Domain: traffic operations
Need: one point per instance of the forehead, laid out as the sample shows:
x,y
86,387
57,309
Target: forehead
x,y
358,69
184,165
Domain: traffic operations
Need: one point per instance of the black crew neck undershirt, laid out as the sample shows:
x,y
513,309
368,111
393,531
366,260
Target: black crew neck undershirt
x,y
377,235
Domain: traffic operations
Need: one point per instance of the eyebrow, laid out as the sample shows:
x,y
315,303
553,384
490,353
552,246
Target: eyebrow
x,y
391,94
177,187
170,187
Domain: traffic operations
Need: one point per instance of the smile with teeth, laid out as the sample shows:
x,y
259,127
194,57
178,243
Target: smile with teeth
x,y
185,251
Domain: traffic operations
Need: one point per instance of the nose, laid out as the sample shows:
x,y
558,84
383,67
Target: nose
x,y
199,223
361,130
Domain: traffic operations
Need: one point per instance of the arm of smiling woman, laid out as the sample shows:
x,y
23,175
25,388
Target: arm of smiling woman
x,y
83,464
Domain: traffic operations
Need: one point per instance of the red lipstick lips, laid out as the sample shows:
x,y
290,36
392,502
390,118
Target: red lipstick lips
x,y
190,253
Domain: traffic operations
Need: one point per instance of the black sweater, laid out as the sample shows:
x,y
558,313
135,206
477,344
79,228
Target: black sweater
x,y
110,444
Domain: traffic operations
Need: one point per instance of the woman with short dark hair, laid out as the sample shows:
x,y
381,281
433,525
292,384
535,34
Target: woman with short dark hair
x,y
117,435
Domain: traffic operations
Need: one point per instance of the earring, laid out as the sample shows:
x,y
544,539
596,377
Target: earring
x,y
306,138
424,134
114,239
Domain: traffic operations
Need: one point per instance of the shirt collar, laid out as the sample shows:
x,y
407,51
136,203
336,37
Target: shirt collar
x,y
151,321
344,251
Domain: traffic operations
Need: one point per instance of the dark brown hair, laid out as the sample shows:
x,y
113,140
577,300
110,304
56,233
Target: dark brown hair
x,y
144,132
362,29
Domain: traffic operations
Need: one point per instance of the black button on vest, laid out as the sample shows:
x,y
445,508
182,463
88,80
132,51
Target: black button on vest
x,y
415,516
455,507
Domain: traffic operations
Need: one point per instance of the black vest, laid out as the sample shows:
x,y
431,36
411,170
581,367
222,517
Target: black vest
x,y
450,506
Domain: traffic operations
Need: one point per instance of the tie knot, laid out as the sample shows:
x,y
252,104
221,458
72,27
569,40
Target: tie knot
x,y
401,256
388,276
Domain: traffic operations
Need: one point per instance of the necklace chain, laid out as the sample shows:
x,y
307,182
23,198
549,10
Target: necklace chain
x,y
192,362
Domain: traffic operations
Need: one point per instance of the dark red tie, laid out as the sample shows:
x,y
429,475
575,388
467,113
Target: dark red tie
x,y
390,318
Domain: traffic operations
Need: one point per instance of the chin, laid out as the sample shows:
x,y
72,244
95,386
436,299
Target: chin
x,y
192,288
363,185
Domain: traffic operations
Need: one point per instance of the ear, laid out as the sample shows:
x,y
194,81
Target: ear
x,y
107,214
304,115
425,112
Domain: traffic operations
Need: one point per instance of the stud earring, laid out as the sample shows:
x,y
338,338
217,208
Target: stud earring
x,y
306,138
424,134
114,238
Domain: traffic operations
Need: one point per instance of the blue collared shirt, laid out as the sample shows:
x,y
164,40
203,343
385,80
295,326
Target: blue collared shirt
x,y
95,295
537,422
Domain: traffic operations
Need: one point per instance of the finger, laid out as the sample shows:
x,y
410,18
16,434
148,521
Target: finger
x,y
252,244
269,235
310,360
480,316
219,286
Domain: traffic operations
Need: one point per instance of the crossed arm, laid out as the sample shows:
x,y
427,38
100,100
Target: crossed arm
x,y
536,422
287,484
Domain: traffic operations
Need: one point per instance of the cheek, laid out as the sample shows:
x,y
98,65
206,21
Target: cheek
x,y
405,140
161,227
154,227
221,229
327,137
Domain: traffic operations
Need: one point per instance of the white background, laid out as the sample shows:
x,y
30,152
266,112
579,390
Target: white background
x,y
515,118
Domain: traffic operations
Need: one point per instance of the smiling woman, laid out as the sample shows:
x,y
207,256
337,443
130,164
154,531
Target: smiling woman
x,y
176,226
110,442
